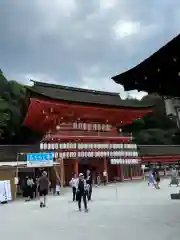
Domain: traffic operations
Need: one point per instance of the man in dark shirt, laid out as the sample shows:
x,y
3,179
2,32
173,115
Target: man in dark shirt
x,y
43,188
81,192
89,182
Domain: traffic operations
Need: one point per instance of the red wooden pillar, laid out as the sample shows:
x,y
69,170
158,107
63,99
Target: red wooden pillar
x,y
121,172
105,164
76,166
118,172
131,172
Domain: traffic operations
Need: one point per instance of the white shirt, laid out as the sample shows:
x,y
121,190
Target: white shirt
x,y
58,188
174,173
30,182
74,182
105,174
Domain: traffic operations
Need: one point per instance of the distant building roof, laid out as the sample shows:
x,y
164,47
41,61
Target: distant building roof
x,y
160,73
8,153
159,150
81,96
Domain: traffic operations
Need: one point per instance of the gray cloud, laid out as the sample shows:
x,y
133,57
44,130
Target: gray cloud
x,y
79,42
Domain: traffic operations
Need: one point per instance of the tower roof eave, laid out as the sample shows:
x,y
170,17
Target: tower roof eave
x,y
89,98
157,74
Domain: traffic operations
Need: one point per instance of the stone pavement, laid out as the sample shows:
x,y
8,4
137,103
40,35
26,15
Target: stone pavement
x,y
122,211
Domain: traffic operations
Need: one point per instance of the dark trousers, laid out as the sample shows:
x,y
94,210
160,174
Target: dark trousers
x,y
74,193
35,191
89,194
105,181
82,195
30,192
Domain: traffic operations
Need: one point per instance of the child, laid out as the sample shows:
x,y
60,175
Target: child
x,y
58,188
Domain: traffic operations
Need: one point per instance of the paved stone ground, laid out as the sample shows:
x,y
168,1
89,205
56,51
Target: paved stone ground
x,y
122,211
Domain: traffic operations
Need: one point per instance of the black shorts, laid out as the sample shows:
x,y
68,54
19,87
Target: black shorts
x,y
43,192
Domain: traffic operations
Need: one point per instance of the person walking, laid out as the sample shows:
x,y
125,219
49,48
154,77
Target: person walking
x,y
73,184
30,188
98,179
151,180
43,188
34,187
82,192
157,179
58,187
174,178
89,183
105,176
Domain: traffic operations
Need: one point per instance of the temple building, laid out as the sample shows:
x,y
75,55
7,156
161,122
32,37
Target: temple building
x,y
159,73
83,127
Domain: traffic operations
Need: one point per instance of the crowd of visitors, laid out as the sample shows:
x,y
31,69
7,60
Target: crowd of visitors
x,y
154,178
31,186
82,188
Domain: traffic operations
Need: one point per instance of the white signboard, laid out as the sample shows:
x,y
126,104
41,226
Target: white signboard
x,y
5,191
40,159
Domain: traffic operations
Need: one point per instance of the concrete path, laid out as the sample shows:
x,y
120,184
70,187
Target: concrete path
x,y
123,211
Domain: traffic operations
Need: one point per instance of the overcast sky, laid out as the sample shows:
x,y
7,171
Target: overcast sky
x,y
82,43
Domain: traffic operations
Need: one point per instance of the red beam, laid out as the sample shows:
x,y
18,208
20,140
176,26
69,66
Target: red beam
x,y
59,105
161,159
39,109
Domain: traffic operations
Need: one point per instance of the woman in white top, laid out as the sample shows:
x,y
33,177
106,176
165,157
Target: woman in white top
x,y
73,183
30,184
105,176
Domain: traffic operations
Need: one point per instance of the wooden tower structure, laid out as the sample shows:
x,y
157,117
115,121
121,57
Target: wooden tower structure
x,y
83,127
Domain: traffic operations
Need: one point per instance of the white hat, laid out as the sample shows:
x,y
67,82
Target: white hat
x,y
81,174
44,173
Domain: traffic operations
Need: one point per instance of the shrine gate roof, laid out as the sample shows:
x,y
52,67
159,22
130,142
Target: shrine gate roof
x,y
159,73
51,104
81,96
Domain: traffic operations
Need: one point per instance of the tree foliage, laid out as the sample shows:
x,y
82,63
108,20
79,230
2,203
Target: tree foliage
x,y
155,128
12,108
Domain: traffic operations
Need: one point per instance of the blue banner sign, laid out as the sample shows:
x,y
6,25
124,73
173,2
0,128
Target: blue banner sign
x,y
40,159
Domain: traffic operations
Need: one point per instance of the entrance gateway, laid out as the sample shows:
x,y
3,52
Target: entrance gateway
x,y
82,127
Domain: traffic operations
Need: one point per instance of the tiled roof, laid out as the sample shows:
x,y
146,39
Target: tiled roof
x,y
157,74
8,153
159,150
79,95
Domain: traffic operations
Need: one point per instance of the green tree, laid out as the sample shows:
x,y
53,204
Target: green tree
x,y
12,106
154,128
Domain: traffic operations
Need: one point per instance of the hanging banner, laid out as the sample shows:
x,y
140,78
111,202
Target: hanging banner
x,y
83,146
124,161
